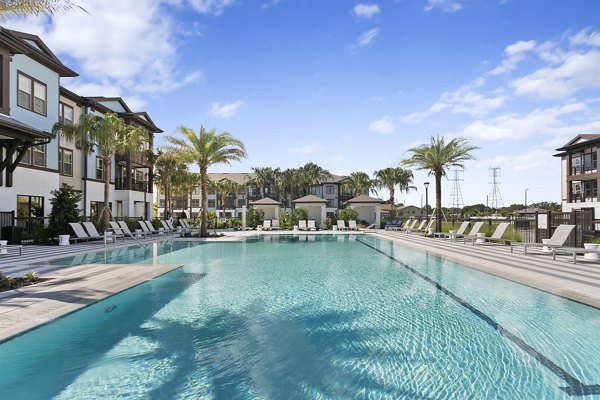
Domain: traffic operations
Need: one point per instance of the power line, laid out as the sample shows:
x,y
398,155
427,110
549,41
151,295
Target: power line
x,y
495,196
456,199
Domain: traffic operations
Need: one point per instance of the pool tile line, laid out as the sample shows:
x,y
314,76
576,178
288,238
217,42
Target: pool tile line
x,y
575,386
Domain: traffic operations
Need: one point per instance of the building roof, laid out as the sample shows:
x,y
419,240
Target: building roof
x,y
407,206
241,178
363,198
265,201
578,142
12,128
32,46
532,210
310,199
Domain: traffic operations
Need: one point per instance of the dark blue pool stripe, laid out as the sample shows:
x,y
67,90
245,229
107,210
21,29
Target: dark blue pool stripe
x,y
575,386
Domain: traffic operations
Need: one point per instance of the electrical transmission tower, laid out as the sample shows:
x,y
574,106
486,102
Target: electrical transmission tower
x,y
495,196
456,199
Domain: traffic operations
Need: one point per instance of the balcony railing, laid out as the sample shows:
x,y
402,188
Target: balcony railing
x,y
584,169
138,186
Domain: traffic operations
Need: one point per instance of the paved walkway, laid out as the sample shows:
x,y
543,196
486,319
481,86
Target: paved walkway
x,y
70,289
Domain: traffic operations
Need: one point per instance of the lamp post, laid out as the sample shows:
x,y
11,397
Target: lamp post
x,y
526,202
427,200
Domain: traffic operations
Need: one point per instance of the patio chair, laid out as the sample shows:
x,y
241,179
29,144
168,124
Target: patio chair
x,y
341,224
80,233
135,234
474,231
496,236
423,231
302,224
390,226
188,227
459,232
352,225
558,239
166,227
117,230
266,225
152,229
145,227
311,225
275,225
408,226
418,229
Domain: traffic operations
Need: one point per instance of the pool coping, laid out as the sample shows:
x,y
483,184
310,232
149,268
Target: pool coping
x,y
68,290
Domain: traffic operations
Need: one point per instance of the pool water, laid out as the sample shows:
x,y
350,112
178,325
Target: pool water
x,y
311,317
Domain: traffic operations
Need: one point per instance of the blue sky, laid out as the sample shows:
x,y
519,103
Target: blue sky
x,y
352,85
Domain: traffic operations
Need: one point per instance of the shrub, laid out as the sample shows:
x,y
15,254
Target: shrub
x,y
347,214
254,217
31,276
6,281
65,209
298,214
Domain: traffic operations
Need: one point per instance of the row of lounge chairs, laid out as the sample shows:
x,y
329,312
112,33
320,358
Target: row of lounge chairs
x,y
120,230
309,225
410,226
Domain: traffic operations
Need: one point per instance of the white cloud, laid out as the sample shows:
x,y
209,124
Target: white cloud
x,y
516,54
538,122
210,7
385,125
444,5
125,44
367,37
578,71
366,10
536,160
226,110
306,149
520,47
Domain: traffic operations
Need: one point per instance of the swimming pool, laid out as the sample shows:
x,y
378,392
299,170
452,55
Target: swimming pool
x,y
312,317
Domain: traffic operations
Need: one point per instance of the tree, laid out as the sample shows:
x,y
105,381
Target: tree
x,y
223,188
65,209
265,177
166,169
17,8
288,184
358,183
109,135
184,184
437,157
311,174
205,149
391,178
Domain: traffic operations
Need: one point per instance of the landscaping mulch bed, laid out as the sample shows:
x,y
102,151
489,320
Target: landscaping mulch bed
x,y
16,283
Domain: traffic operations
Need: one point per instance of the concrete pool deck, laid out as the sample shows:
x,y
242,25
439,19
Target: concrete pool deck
x,y
74,287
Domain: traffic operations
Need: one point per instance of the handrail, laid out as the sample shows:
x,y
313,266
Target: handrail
x,y
111,231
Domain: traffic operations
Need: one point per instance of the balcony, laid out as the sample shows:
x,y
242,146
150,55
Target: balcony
x,y
584,169
138,186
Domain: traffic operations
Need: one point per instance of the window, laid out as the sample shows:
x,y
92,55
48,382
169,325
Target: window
x,y
584,162
31,94
211,203
329,189
95,208
99,168
584,191
315,190
180,204
331,203
66,114
241,203
65,162
30,206
39,155
195,203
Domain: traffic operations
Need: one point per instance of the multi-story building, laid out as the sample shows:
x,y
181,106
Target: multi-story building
x,y
33,162
579,174
330,189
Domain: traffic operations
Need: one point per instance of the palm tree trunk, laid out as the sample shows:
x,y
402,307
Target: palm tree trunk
x,y
105,213
203,184
438,201
391,189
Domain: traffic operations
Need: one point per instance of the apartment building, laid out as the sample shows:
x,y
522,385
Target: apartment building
x,y
579,173
33,162
231,205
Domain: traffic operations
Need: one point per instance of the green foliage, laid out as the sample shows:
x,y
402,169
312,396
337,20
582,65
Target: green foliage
x,y
347,214
31,276
6,281
254,217
298,214
596,240
328,223
65,209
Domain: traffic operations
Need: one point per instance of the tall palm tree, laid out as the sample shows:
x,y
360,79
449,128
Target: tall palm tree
x,y
166,170
358,183
311,174
391,178
223,188
437,157
184,184
206,148
109,136
265,177
287,184
16,8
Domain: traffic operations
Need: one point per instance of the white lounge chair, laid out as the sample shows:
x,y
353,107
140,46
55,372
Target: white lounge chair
x,y
409,227
179,229
417,229
188,227
474,230
275,225
459,232
80,233
266,225
145,227
352,225
152,229
496,236
302,225
311,225
558,239
341,224
166,227
135,234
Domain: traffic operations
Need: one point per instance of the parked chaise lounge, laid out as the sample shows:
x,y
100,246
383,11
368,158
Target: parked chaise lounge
x,y
558,239
496,236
